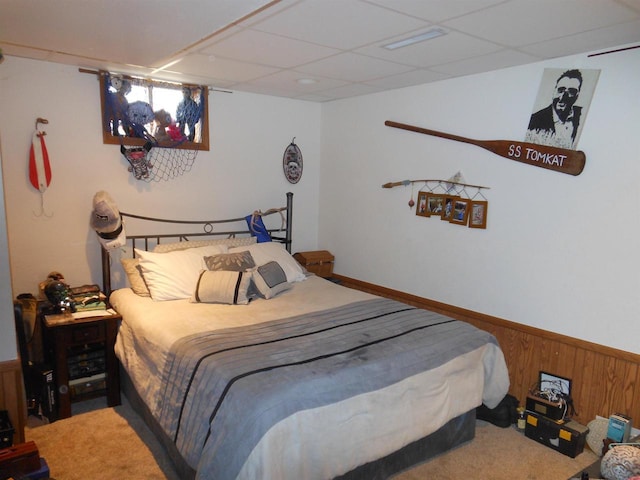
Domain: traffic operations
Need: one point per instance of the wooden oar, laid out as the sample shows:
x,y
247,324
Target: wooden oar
x,y
561,160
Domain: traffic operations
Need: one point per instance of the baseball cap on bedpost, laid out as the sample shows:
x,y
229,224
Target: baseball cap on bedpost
x,y
107,221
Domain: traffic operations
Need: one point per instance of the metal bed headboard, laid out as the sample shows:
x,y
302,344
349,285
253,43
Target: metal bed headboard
x,y
283,234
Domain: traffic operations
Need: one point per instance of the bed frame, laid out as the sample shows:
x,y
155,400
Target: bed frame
x,y
456,432
198,229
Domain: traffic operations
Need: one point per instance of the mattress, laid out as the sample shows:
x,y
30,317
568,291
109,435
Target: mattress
x,y
414,390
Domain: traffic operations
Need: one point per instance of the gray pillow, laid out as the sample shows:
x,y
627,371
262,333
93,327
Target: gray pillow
x,y
232,262
270,279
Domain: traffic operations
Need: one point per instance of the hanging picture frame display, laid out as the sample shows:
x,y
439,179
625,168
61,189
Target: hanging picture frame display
x,y
292,162
460,211
478,213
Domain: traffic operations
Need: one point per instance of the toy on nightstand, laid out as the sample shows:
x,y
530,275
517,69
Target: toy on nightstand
x,y
58,293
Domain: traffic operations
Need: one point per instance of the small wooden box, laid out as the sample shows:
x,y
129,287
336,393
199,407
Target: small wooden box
x,y
319,262
19,460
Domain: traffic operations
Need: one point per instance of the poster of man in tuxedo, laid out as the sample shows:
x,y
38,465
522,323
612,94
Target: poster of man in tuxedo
x,y
561,106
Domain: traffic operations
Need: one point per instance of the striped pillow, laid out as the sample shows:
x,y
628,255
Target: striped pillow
x,y
222,286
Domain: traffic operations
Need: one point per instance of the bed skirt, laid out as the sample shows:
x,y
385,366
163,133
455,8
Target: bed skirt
x,y
454,433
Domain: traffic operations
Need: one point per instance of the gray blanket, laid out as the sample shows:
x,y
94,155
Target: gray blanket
x,y
225,389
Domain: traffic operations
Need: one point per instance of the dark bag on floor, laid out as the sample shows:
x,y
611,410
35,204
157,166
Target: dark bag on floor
x,y
504,415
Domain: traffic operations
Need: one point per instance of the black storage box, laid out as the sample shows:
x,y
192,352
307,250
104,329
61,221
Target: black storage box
x,y
565,437
6,430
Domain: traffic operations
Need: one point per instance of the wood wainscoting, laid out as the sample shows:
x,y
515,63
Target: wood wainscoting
x,y
12,397
604,380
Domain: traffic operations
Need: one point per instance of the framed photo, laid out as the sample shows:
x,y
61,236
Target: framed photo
x,y
447,207
478,214
460,211
554,384
561,106
435,203
421,205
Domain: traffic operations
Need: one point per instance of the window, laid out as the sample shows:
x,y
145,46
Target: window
x,y
136,111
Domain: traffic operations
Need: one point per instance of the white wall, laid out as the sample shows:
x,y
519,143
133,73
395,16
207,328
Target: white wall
x,y
241,173
559,253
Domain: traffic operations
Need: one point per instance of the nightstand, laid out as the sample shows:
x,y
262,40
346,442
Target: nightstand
x,y
319,262
81,352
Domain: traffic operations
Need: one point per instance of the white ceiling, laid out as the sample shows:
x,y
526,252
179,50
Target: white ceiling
x,y
267,47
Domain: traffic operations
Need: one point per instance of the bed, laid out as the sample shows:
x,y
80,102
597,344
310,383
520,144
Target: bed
x,y
257,369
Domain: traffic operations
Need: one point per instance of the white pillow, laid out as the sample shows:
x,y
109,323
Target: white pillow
x,y
173,275
266,252
222,286
228,242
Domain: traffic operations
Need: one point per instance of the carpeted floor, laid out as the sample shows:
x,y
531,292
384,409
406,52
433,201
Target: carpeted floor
x,y
114,443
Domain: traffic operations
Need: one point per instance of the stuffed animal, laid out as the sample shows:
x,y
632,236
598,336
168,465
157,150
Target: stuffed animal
x,y
117,105
166,130
162,120
140,114
187,114
139,163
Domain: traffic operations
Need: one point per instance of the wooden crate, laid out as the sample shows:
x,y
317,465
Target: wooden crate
x,y
319,262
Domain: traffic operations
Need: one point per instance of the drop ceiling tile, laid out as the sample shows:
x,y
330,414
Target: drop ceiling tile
x,y
635,4
221,68
435,10
415,77
515,23
493,61
338,23
275,9
288,79
598,39
261,89
140,36
450,47
353,68
267,49
20,51
351,90
314,97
